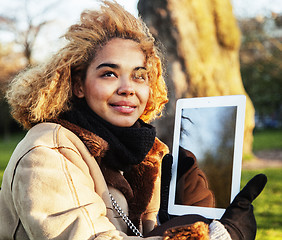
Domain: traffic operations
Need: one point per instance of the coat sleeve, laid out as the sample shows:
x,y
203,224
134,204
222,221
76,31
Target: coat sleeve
x,y
56,199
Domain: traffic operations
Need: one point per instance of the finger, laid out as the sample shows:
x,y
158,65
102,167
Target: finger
x,y
166,168
253,188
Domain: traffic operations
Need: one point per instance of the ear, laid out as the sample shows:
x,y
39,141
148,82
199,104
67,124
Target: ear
x,y
78,89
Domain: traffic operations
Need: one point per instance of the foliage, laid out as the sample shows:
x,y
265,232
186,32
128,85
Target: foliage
x,y
263,82
261,60
11,62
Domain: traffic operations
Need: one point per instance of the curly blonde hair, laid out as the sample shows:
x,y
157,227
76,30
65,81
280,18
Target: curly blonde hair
x,y
42,93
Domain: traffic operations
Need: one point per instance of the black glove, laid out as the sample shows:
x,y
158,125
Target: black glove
x,y
185,162
165,181
239,219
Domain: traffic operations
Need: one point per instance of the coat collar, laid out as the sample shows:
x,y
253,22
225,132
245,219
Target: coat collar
x,y
95,144
133,182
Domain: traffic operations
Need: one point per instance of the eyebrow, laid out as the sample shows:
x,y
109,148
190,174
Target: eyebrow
x,y
138,68
111,65
116,66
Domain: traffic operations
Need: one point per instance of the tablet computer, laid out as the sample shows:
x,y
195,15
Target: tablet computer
x,y
211,129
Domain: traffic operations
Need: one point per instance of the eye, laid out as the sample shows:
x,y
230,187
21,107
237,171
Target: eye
x,y
109,74
141,77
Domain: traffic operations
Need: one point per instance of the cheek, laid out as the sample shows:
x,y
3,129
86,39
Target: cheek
x,y
144,94
97,91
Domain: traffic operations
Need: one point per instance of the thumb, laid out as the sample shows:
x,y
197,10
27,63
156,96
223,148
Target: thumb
x,y
253,188
165,181
166,169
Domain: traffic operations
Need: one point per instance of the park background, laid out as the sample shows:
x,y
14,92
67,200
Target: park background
x,y
212,47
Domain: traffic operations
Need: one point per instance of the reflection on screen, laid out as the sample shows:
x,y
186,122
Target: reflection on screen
x,y
209,134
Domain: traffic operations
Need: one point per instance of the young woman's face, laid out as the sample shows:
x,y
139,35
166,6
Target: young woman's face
x,y
116,86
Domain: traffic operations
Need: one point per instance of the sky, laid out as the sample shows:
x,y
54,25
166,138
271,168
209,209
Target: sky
x,y
202,134
67,12
252,8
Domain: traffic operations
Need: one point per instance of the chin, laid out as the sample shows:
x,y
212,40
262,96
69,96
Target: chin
x,y
124,123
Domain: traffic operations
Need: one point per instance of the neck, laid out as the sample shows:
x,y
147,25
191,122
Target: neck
x,y
127,145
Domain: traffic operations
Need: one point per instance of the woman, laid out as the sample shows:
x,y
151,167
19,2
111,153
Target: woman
x,y
90,158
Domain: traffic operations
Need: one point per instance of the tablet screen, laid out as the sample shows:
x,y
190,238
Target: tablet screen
x,y
210,130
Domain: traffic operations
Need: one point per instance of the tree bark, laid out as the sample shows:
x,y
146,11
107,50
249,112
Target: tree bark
x,y
201,41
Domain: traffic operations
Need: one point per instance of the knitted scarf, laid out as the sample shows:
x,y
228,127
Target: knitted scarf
x,y
128,146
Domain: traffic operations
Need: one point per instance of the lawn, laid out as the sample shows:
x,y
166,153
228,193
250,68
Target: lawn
x,y
267,207
6,149
269,139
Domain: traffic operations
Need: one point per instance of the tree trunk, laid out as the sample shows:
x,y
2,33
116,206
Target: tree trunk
x,y
201,40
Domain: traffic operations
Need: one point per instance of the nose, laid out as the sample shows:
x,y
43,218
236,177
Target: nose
x,y
125,87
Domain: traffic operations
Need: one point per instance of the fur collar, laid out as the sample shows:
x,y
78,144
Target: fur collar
x,y
133,183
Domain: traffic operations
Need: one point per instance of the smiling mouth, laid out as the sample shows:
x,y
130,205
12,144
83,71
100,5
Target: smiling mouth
x,y
124,106
125,109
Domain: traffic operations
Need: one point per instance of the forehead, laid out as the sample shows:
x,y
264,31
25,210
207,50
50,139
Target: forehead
x,y
119,51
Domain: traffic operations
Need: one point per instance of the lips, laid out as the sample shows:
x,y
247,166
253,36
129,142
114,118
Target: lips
x,y
123,107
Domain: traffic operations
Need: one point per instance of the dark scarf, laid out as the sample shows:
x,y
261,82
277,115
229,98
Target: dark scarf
x,y
128,146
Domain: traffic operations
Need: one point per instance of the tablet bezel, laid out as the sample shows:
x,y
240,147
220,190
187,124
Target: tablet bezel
x,y
238,101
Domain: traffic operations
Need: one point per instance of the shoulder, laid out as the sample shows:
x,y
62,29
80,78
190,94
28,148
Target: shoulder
x,y
46,146
48,136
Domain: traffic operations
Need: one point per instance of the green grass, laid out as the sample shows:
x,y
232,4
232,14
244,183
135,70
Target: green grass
x,y
7,147
267,139
268,205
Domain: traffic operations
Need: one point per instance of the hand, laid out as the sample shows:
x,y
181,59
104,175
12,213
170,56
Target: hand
x,y
192,184
165,181
239,219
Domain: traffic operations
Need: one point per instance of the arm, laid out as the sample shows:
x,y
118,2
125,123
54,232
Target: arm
x,y
55,198
149,218
238,222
